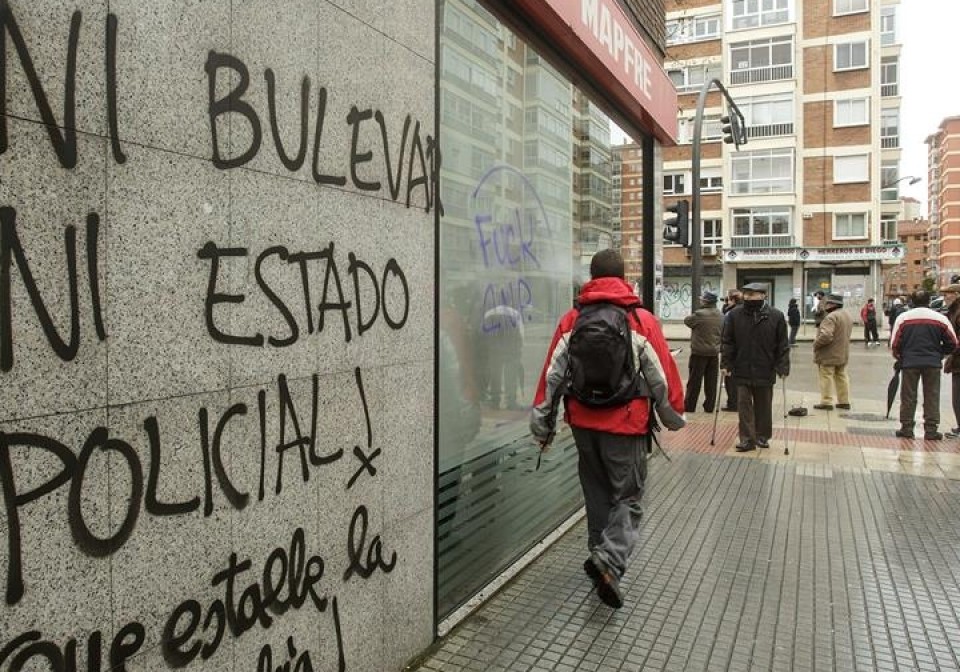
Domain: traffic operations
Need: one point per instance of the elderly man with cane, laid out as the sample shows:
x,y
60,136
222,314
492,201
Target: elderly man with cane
x,y
755,351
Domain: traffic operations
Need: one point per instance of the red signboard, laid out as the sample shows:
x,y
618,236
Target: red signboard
x,y
598,36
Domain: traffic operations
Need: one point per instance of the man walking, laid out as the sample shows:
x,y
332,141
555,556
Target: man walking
x,y
920,339
755,351
705,326
831,352
611,438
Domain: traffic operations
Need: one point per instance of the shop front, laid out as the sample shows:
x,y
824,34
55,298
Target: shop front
x,y
531,98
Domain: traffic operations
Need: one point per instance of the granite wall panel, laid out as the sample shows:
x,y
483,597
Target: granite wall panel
x,y
216,334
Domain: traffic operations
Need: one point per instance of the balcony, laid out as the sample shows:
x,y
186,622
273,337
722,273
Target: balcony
x,y
890,141
767,73
887,90
770,130
777,240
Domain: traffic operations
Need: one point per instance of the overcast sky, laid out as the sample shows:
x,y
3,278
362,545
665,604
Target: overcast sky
x,y
929,82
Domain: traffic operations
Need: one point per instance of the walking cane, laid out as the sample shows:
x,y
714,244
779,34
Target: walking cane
x,y
786,437
716,410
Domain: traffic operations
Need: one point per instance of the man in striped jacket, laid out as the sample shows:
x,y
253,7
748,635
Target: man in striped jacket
x,y
611,441
920,339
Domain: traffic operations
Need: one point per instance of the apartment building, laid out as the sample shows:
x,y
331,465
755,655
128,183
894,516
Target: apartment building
x,y
943,198
908,274
811,202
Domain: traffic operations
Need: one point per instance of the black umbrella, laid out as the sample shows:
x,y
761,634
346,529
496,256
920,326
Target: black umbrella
x,y
892,387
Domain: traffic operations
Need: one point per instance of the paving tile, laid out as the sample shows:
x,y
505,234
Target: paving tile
x,y
812,562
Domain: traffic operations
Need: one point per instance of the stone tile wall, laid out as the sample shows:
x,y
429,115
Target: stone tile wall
x,y
216,333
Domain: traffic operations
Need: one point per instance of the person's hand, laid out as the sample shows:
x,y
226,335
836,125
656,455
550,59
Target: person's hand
x,y
545,444
725,372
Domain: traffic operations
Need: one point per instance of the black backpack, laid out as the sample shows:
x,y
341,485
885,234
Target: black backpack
x,y
600,366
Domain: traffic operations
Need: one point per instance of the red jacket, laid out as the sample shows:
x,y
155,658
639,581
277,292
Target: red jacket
x,y
650,352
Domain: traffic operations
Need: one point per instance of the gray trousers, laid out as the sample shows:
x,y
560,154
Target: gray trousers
x,y
613,469
909,378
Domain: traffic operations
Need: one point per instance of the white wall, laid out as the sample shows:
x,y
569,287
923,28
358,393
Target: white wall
x,y
187,428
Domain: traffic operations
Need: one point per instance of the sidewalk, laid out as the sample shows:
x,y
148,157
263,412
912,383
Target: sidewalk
x,y
841,555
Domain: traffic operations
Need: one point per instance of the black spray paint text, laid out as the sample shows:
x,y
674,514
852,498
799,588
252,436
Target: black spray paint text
x,y
12,251
295,437
288,579
389,288
62,133
417,158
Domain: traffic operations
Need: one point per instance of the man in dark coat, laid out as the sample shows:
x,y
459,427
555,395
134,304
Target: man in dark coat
x,y
705,324
755,351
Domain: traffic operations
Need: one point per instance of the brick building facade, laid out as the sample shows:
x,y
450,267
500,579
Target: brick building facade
x,y
943,198
811,202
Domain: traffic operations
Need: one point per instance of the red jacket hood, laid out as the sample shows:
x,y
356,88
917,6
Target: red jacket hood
x,y
608,290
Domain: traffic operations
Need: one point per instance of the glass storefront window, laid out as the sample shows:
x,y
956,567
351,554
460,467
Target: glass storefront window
x,y
527,189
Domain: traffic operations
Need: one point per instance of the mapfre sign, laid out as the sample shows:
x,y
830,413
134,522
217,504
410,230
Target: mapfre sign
x,y
600,37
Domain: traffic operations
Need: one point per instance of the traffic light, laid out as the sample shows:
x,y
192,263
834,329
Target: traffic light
x,y
733,131
677,229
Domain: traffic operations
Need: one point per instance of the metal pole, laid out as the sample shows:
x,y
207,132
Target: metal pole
x,y
648,230
696,253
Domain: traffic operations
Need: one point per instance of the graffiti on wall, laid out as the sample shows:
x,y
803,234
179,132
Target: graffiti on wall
x,y
506,237
253,592
675,299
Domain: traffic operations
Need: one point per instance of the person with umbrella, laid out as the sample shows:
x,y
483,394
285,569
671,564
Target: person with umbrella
x,y
920,339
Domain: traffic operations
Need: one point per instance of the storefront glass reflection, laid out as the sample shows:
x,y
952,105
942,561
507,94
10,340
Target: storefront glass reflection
x,y
528,199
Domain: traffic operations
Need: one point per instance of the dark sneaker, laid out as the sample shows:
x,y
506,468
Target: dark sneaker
x,y
845,407
730,409
763,443
903,434
953,433
745,447
823,407
932,436
608,585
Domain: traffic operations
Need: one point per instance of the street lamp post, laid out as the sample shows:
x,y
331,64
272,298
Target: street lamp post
x,y
913,181
735,131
